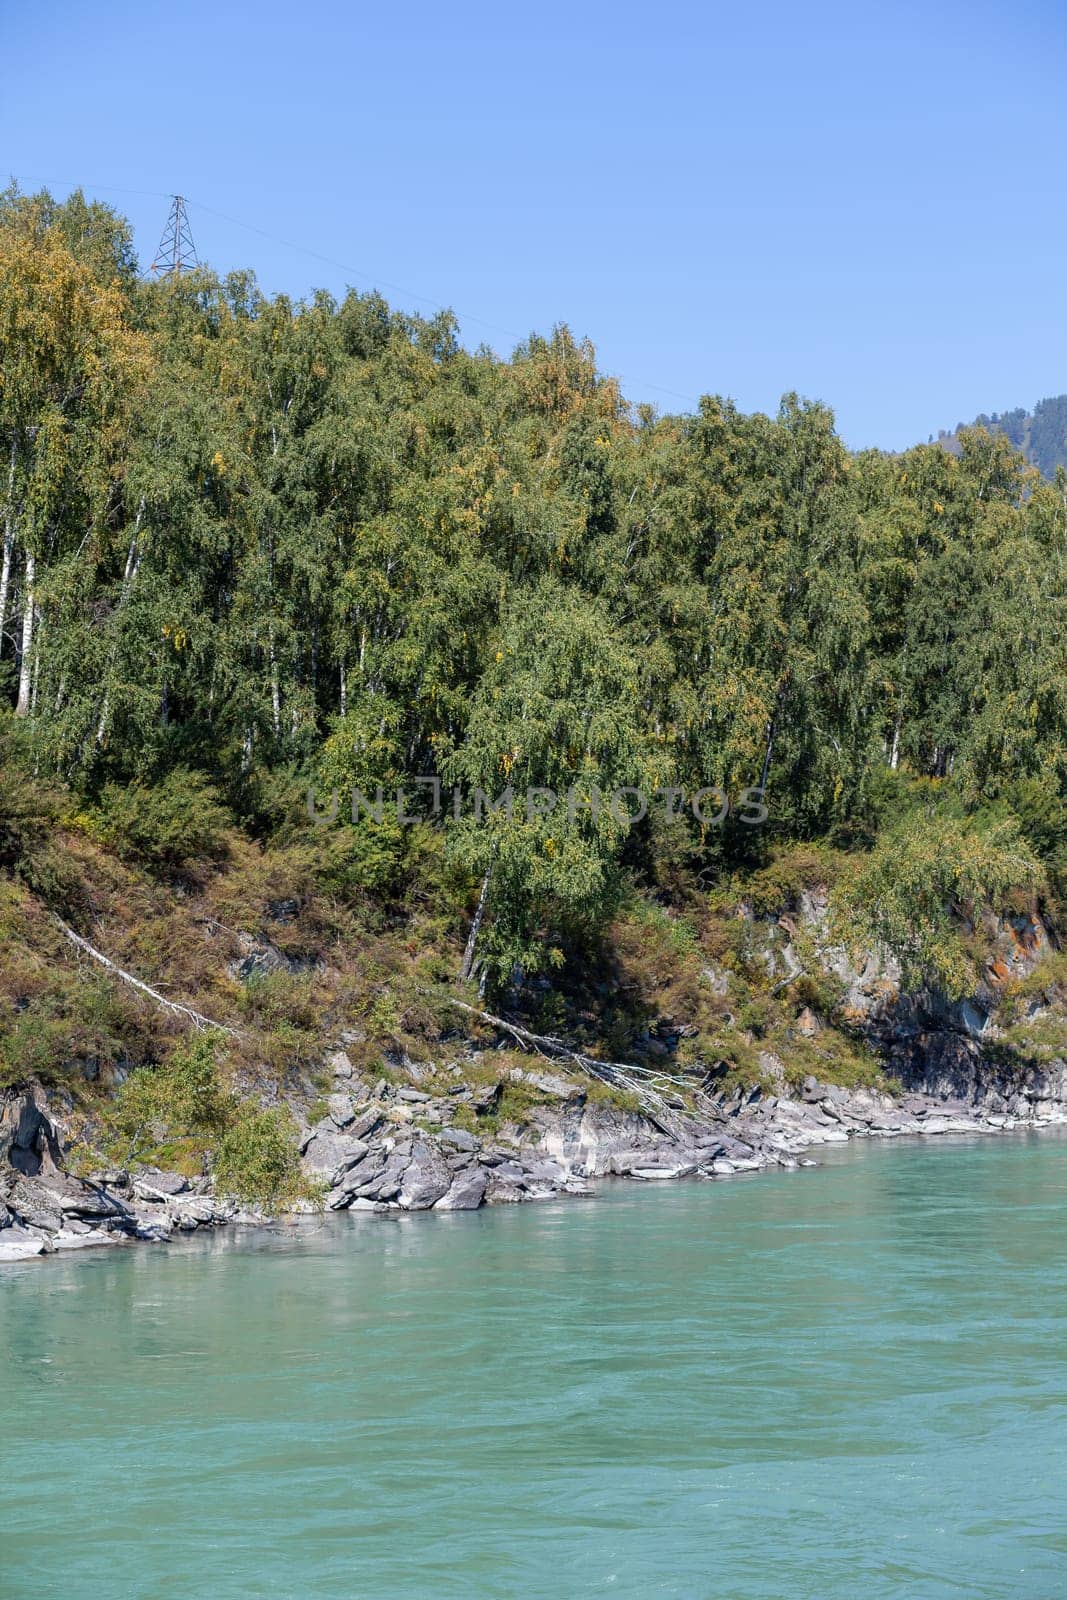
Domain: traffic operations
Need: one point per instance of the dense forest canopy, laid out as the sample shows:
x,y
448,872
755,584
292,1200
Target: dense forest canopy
x,y
251,544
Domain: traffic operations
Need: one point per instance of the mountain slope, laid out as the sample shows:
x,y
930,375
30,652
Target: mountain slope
x,y
1040,435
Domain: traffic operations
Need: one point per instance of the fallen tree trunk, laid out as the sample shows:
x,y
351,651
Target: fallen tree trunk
x,y
646,1083
174,1006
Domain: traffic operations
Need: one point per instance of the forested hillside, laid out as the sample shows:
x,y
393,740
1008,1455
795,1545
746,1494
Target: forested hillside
x,y
1040,436
252,546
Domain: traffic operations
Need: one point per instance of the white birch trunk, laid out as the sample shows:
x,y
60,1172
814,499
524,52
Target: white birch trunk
x,y
275,690
29,607
476,927
36,660
894,754
9,546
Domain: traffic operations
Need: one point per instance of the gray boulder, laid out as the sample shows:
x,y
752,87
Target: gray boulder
x,y
196,1211
459,1139
342,1109
82,1238
339,1064
151,1184
384,1183
510,1172
498,1191
366,1123
331,1155
466,1193
426,1179
17,1245
29,1138
260,958
35,1206
152,1223
542,1172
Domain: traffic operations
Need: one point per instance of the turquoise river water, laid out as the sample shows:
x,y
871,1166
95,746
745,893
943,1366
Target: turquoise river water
x,y
849,1382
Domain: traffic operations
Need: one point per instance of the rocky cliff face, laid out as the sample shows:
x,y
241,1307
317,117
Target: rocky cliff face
x,y
407,1143
43,1207
944,1049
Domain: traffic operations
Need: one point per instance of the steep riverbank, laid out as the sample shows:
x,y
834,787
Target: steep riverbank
x,y
396,1145
459,1117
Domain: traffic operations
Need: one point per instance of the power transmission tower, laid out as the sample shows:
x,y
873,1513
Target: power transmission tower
x,y
177,252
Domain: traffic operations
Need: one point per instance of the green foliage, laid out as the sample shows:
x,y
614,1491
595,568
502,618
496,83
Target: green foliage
x,y
178,1100
252,542
779,886
258,1162
1041,813
1041,436
167,825
927,876
182,1114
28,812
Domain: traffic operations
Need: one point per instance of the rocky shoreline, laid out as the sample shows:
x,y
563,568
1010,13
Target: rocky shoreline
x,y
393,1146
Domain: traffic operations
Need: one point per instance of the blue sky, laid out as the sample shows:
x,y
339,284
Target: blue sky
x,y
861,202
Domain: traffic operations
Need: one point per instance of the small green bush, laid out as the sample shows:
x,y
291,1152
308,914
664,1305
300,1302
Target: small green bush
x,y
778,887
181,1114
258,1162
182,1098
177,821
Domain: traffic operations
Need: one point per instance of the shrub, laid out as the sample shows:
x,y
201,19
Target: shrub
x,y
363,859
178,820
1042,816
27,813
779,886
183,1098
258,1162
179,1113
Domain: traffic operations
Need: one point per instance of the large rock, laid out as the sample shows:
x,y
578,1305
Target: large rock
x,y
69,1239
29,1137
330,1155
584,1136
367,1122
152,1223
151,1184
260,958
459,1139
87,1200
510,1171
466,1192
383,1182
16,1245
339,1064
501,1192
426,1180
35,1206
199,1211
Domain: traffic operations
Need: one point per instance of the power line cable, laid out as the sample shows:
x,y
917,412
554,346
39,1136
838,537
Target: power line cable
x,y
317,255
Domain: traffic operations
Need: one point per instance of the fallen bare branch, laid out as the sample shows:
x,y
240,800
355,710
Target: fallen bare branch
x,y
174,1006
647,1083
793,977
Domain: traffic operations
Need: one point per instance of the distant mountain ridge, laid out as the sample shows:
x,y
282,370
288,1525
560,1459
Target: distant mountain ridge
x,y
1041,434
